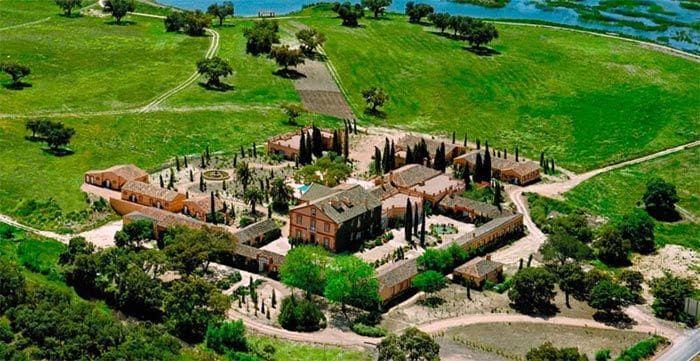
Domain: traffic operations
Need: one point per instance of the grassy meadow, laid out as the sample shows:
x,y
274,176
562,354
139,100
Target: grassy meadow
x,y
586,99
616,193
85,63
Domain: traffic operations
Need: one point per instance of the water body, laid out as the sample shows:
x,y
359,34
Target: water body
x,y
516,9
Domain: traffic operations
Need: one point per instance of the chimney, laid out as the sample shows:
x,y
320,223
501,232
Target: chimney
x,y
488,257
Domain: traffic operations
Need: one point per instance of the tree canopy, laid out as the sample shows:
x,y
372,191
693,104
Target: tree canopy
x,y
416,12
261,36
376,6
68,5
329,170
660,198
221,11
192,305
375,98
214,69
310,39
16,70
349,13
613,249
119,8
350,280
533,291
638,228
669,297
304,267
285,56
413,345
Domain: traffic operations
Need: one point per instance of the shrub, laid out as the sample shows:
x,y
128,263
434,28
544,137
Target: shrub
x,y
6,334
227,337
642,349
245,221
369,331
602,355
301,315
503,286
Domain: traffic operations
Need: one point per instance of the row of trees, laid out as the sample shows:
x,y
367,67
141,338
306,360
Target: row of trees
x,y
476,32
193,23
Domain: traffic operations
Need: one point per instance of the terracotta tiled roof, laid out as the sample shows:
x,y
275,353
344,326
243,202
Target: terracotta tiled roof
x,y
126,171
165,219
384,191
316,191
151,190
399,201
204,202
246,234
397,272
489,226
350,201
438,185
502,164
480,208
412,174
478,267
253,253
410,140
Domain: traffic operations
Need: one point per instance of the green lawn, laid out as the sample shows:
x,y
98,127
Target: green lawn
x,y
588,100
294,351
148,140
616,193
89,64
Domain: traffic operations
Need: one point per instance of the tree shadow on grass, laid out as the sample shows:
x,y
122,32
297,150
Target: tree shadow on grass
x,y
316,56
617,319
34,138
664,215
545,311
223,87
432,302
72,15
60,152
16,86
289,74
122,23
482,51
447,35
376,113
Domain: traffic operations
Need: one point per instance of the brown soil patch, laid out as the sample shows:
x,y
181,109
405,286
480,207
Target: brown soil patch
x,y
326,102
513,340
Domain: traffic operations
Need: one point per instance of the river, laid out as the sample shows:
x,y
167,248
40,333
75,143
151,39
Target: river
x,y
684,38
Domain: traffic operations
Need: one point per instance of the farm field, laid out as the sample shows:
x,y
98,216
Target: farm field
x,y
513,340
586,100
616,193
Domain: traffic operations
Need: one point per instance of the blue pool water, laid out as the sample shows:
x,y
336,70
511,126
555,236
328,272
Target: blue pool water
x,y
516,9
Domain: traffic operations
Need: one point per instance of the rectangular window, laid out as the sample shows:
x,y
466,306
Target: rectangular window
x,y
313,225
325,242
299,219
313,211
326,227
298,233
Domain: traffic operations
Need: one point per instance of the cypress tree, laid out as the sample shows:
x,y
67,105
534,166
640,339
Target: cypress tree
x,y
415,220
478,144
255,150
469,290
177,163
191,176
408,221
499,154
302,148
392,158
497,196
467,181
517,155
213,207
309,149
274,299
206,152
269,212
377,161
487,165
162,185
171,181
335,143
529,260
478,169
453,137
316,142
202,164
521,265
465,139
409,155
201,183
346,145
354,126
185,157
552,167
242,152
505,153
235,160
387,154
542,159
422,228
